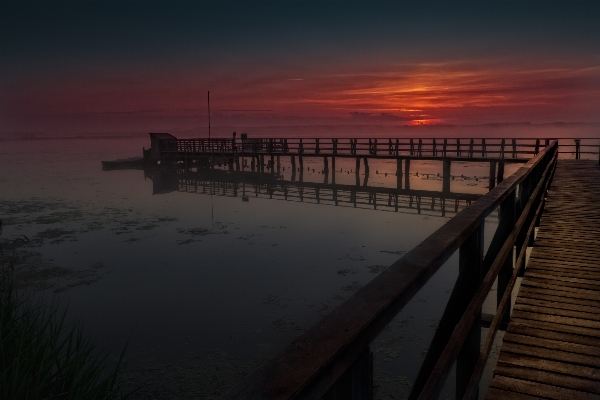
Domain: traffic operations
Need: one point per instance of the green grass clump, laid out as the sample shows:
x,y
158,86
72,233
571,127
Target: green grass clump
x,y
42,357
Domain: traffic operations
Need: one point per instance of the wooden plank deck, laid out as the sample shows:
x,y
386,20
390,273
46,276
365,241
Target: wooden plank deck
x,y
551,349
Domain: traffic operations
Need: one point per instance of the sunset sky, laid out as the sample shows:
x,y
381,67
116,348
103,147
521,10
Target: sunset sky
x,y
141,65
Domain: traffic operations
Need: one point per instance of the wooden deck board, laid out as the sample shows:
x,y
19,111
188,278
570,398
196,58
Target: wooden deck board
x,y
551,349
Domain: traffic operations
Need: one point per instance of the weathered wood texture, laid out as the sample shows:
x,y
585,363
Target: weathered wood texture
x,y
552,346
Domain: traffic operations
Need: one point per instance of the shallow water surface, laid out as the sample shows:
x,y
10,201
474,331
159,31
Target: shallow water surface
x,y
203,287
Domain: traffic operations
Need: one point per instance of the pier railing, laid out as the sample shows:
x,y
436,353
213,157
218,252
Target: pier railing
x,y
509,150
359,147
332,358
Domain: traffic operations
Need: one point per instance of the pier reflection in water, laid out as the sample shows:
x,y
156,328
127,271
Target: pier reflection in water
x,y
273,186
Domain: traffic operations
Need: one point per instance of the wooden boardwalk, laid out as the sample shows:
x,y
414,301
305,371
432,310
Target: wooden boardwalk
x,y
552,346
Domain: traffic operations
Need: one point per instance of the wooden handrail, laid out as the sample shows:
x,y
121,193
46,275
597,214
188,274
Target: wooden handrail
x,y
456,341
313,362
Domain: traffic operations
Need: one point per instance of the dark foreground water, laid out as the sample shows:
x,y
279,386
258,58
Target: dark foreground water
x,y
202,287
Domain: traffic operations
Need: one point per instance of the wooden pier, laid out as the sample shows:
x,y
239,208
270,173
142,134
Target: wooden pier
x,y
552,343
332,359
552,346
267,152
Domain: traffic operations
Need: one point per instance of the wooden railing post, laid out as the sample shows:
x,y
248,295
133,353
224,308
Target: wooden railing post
x,y
577,149
507,221
470,263
524,192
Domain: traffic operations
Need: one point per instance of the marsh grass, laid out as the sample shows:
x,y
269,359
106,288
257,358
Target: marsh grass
x,y
41,356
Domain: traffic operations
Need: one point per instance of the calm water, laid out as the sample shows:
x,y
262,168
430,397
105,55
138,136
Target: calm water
x,y
204,288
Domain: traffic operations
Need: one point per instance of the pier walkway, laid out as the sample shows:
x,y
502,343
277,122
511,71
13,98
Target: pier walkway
x,y
552,346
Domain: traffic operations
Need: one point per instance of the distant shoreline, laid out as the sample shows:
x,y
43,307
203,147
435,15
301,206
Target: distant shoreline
x,y
491,130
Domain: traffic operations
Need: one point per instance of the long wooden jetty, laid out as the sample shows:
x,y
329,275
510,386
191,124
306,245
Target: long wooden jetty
x,y
332,359
552,343
267,152
552,346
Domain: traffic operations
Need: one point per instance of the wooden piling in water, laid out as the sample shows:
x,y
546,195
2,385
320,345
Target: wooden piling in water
x,y
357,171
407,174
492,177
399,173
446,173
500,172
333,171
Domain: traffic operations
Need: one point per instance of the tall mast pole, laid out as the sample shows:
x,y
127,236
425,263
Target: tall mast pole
x,y
209,114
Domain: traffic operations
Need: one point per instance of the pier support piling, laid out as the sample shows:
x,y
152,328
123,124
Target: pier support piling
x,y
333,171
446,174
492,182
500,172
399,173
293,159
407,174
357,171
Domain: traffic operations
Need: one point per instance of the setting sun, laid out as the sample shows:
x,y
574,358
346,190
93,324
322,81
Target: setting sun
x,y
420,122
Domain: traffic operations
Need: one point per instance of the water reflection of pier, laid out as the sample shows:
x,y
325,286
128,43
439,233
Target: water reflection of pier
x,y
271,186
